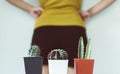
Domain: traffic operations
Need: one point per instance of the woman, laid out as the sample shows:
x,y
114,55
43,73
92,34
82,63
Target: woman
x,y
59,24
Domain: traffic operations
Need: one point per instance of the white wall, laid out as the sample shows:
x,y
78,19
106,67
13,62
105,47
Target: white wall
x,y
17,28
104,31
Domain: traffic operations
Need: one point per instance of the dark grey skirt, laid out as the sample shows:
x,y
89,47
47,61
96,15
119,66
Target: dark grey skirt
x,y
62,37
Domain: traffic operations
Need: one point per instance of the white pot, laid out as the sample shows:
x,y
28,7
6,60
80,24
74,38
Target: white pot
x,y
58,66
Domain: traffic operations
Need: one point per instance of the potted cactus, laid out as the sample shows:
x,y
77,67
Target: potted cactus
x,y
58,61
83,64
33,63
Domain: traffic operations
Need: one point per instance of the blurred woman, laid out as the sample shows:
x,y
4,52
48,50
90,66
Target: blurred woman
x,y
59,24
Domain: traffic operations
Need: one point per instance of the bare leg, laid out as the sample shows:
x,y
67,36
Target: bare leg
x,y
70,70
45,69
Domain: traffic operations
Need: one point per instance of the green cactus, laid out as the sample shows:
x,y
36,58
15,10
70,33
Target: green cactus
x,y
57,54
88,50
81,48
34,51
81,53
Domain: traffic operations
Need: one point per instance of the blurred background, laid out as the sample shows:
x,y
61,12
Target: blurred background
x,y
16,29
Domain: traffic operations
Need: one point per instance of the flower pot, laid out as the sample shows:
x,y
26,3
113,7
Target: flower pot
x,y
58,66
33,65
83,66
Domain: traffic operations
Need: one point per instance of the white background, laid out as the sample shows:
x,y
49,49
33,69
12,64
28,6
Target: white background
x,y
16,29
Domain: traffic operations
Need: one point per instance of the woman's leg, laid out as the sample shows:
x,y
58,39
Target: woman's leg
x,y
45,69
70,70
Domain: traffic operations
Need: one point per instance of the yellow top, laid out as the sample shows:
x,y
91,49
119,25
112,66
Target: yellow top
x,y
60,13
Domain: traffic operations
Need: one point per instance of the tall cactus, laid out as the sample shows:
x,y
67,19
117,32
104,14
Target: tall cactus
x,y
81,53
81,48
88,50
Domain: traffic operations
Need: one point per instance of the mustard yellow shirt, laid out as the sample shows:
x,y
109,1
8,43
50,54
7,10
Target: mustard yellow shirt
x,y
60,13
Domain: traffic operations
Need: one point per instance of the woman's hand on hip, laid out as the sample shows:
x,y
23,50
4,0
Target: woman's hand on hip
x,y
85,15
35,12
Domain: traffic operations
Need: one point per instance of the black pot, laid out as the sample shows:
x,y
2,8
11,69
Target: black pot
x,y
33,65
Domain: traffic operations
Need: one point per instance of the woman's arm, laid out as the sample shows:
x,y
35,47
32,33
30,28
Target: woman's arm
x,y
96,9
27,7
21,4
100,6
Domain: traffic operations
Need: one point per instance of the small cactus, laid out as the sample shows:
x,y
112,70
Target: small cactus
x,y
58,54
34,51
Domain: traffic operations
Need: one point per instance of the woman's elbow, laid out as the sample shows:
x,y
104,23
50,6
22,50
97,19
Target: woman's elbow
x,y
111,1
10,0
108,1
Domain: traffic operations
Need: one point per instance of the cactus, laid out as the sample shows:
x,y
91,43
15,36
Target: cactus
x,y
58,54
81,48
88,51
34,51
81,53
